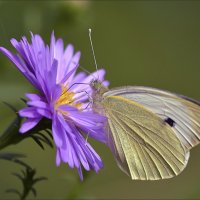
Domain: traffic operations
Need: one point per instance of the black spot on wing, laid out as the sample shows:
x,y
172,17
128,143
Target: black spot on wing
x,y
170,121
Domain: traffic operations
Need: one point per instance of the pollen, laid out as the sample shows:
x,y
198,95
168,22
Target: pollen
x,y
67,98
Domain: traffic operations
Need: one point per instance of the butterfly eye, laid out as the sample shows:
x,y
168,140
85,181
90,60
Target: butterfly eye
x,y
92,84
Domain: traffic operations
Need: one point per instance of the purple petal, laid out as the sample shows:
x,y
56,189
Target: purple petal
x,y
59,48
65,63
75,152
53,72
97,162
38,104
14,58
29,112
52,46
44,113
29,124
67,57
19,63
58,132
68,54
85,149
68,108
98,134
23,49
70,73
73,63
37,43
77,79
58,159
83,96
56,92
80,173
106,83
68,154
85,153
88,119
51,78
33,97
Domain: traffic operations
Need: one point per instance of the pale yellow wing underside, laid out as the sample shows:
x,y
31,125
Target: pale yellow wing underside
x,y
185,112
145,146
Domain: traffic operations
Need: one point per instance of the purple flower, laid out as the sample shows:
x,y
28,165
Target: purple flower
x,y
63,97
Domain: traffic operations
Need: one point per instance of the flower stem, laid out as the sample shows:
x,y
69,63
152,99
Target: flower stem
x,y
12,136
78,187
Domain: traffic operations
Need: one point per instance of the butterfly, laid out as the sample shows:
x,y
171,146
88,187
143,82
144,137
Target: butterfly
x,y
149,131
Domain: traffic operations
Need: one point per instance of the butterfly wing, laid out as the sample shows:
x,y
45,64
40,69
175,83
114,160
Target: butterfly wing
x,y
182,113
144,145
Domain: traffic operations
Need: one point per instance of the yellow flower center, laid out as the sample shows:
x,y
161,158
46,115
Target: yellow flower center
x,y
67,98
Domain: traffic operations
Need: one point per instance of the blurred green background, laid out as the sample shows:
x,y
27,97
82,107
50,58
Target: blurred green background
x,y
150,43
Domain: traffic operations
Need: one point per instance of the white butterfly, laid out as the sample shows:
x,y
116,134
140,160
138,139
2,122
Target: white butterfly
x,y
150,131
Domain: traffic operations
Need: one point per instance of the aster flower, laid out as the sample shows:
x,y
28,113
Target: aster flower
x,y
62,97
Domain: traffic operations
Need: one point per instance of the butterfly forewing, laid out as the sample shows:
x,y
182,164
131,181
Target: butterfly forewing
x,y
145,146
183,111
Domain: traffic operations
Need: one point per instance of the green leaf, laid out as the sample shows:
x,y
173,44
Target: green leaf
x,y
45,139
42,178
11,107
14,191
28,179
37,140
34,192
18,176
11,156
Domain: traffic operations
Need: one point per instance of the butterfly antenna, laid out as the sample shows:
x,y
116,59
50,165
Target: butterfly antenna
x,y
85,70
95,62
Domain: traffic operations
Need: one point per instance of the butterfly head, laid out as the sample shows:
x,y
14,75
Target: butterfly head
x,y
98,87
95,84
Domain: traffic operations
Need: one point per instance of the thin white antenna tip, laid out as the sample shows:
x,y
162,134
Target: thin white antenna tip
x,y
95,62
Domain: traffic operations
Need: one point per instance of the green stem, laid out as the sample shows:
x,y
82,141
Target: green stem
x,y
11,135
78,187
75,191
23,197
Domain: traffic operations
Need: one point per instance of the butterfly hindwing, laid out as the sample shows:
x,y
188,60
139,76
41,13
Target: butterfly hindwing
x,y
145,146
